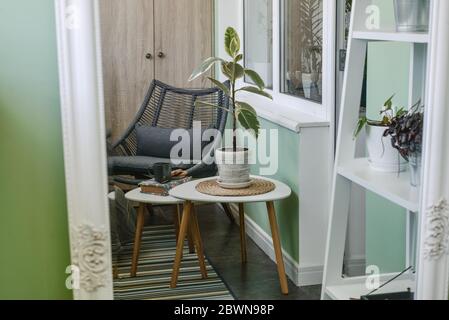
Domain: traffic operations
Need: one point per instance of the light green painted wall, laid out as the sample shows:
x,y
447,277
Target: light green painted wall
x,y
388,73
33,227
287,210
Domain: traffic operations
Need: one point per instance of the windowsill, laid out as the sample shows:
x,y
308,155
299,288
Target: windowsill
x,y
284,116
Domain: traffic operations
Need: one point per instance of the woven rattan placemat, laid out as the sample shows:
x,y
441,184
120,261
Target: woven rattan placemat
x,y
257,187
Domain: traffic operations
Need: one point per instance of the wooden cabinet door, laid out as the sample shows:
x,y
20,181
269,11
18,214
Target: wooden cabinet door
x,y
127,30
184,37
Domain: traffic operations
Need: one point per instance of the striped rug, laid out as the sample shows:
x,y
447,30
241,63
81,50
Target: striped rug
x,y
154,272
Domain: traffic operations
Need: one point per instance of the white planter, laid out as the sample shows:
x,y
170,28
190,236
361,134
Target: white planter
x,y
381,154
320,84
307,84
415,170
233,168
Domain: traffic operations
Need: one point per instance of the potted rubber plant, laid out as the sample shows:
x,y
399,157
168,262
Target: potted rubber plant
x,y
406,132
233,163
381,154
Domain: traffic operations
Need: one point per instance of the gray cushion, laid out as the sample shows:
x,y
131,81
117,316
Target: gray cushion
x,y
136,165
155,142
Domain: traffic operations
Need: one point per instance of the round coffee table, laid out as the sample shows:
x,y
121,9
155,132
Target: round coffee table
x,y
189,193
147,200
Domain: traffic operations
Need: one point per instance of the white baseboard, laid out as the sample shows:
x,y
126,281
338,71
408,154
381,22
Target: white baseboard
x,y
301,276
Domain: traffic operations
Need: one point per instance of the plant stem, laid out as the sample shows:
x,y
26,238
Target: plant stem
x,y
234,118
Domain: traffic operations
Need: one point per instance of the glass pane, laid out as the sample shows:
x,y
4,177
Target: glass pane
x,y
259,39
302,29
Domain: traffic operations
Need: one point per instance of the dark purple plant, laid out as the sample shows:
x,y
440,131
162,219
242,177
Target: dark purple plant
x,y
406,132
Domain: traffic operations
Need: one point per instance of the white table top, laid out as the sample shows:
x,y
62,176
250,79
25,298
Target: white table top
x,y
137,196
187,191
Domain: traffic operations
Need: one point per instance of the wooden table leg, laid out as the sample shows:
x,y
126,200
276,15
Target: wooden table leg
x,y
277,247
198,242
180,246
189,234
243,253
138,238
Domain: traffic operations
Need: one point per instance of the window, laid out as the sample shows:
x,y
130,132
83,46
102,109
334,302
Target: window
x,y
302,48
258,15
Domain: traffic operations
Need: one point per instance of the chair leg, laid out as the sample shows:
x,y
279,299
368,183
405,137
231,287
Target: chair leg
x,y
176,220
150,209
228,211
243,252
138,238
183,230
198,242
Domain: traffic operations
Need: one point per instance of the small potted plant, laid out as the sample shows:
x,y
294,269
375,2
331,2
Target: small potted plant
x,y
406,132
233,163
381,154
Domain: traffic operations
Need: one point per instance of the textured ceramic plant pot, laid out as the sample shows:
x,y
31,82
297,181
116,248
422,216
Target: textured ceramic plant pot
x,y
233,168
412,15
382,156
415,170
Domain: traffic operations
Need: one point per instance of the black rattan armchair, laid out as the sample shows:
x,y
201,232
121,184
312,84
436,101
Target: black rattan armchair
x,y
169,108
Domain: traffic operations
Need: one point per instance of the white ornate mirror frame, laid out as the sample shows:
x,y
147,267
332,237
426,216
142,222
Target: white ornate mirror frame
x,y
433,264
82,107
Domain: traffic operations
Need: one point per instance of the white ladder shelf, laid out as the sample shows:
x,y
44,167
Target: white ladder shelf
x,y
349,170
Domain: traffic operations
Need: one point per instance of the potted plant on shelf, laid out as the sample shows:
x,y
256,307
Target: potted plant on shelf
x,y
311,44
233,163
412,15
382,156
406,132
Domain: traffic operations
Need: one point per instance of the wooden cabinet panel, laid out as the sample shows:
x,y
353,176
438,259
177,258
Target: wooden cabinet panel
x,y
184,34
131,29
127,37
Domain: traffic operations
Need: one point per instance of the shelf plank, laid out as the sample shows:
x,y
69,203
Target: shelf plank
x,y
392,186
356,290
418,37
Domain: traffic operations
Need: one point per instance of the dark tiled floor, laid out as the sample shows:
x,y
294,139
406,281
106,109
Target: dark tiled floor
x,y
258,279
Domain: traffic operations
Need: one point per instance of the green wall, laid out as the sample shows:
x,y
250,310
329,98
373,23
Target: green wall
x,y
388,73
287,210
34,243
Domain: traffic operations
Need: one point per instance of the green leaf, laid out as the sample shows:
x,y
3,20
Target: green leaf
x,y
232,71
239,57
402,111
389,103
200,104
234,47
220,85
255,78
247,117
204,67
256,91
360,125
232,42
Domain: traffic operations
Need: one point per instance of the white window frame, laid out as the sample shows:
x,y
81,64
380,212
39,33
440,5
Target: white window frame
x,y
301,111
